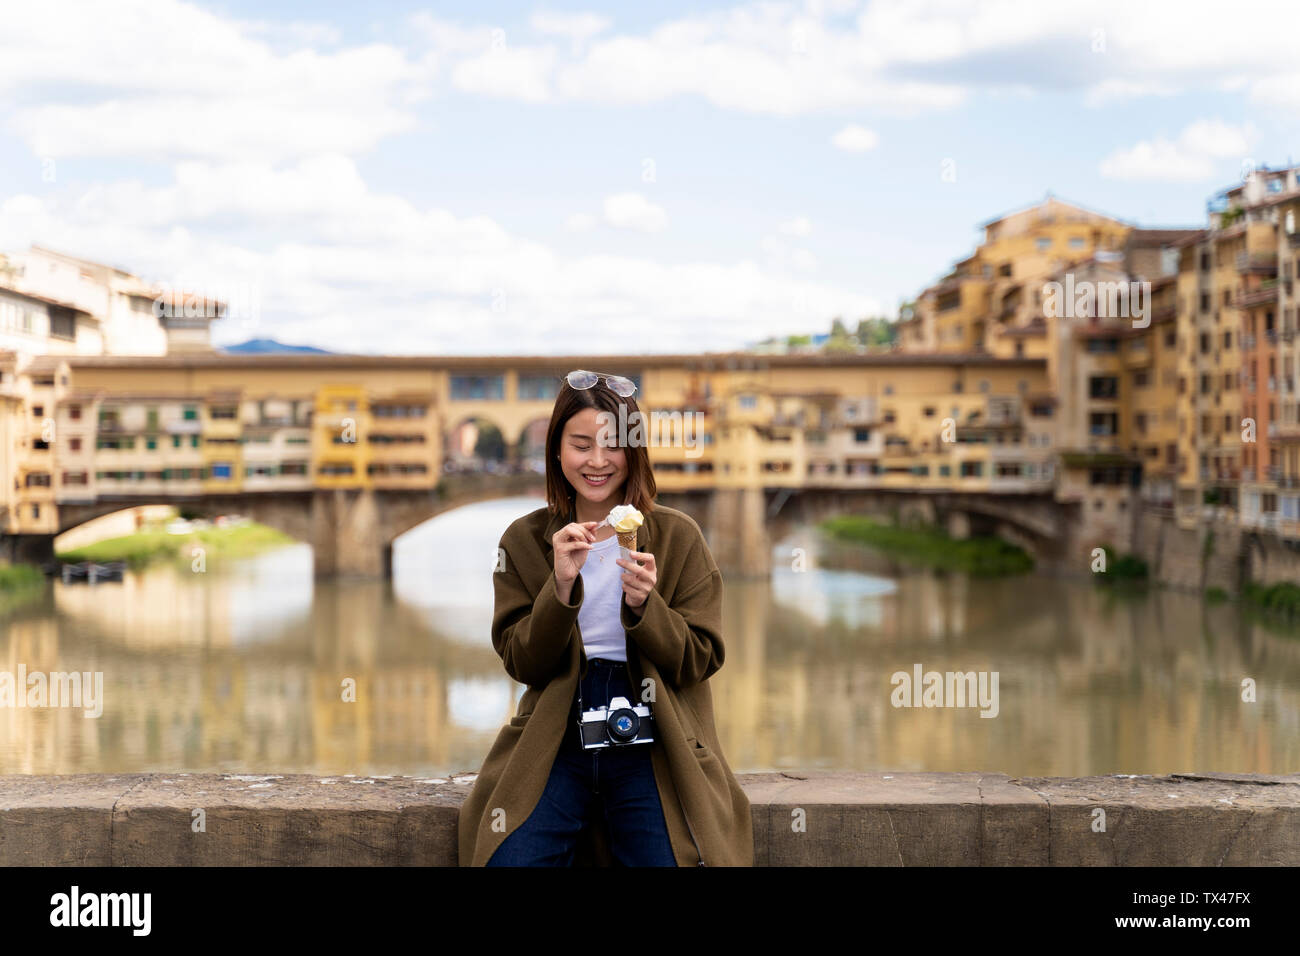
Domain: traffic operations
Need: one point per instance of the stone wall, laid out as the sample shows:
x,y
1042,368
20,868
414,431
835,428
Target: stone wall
x,y
1207,555
805,818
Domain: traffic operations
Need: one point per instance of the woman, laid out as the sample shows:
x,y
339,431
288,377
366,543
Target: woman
x,y
570,617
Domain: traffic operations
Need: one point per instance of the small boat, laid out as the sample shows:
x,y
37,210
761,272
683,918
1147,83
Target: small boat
x,y
89,571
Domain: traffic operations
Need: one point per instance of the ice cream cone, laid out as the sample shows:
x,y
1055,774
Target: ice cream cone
x,y
627,540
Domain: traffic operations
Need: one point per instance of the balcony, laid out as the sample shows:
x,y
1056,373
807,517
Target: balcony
x,y
1258,262
1266,293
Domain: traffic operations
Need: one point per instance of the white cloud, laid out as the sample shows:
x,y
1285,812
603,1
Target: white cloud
x,y
1117,90
905,56
782,258
856,139
799,226
161,79
1198,153
634,211
355,270
1282,90
578,28
580,222
507,71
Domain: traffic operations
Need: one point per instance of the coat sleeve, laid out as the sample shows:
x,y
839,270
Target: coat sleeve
x,y
684,640
531,633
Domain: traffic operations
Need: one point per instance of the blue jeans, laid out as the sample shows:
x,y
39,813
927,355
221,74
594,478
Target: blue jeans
x,y
617,781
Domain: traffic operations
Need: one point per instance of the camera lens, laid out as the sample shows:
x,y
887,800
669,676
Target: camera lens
x,y
622,725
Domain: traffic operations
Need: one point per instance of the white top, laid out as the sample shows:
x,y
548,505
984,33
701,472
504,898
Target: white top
x,y
602,600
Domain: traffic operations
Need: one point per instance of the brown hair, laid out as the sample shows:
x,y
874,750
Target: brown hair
x,y
639,487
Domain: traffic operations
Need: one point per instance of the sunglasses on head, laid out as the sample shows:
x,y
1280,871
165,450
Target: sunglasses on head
x,y
581,378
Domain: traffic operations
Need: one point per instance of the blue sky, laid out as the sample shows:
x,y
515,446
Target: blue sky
x,y
518,177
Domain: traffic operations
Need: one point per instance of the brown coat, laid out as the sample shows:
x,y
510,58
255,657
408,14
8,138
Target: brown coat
x,y
676,643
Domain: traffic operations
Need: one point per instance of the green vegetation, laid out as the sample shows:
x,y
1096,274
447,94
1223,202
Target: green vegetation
x,y
931,547
1280,600
16,577
156,544
1122,567
1215,595
19,584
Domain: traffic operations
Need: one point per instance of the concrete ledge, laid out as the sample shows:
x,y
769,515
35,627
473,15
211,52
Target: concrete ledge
x,y
848,819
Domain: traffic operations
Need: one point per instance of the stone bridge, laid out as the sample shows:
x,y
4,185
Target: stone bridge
x,y
351,531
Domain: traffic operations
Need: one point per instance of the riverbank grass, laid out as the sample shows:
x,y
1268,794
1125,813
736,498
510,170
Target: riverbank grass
x,y
18,577
151,545
930,547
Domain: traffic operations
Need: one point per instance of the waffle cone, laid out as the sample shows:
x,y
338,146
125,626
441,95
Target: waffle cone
x,y
627,539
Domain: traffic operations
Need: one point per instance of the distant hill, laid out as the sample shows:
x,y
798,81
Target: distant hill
x,y
261,346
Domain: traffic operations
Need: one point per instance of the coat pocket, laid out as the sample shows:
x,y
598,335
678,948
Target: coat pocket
x,y
698,748
520,721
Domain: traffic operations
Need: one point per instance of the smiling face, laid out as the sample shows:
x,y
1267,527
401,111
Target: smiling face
x,y
582,459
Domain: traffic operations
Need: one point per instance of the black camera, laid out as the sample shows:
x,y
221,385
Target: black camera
x,y
618,724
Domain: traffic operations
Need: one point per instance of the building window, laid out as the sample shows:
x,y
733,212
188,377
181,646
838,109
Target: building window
x,y
748,401
191,413
1103,386
972,469
74,444
1076,242
74,412
1043,243
538,387
221,469
478,387
1103,424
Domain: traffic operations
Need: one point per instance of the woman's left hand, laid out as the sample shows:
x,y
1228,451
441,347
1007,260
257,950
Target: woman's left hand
x,y
638,579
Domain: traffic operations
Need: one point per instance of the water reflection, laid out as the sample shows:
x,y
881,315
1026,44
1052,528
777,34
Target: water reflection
x,y
244,667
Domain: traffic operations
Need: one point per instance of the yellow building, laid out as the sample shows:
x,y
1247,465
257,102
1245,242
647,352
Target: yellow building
x,y
986,298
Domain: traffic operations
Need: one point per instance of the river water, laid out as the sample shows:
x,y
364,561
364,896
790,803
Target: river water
x,y
245,667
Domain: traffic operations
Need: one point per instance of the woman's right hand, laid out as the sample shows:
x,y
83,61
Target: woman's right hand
x,y
570,546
